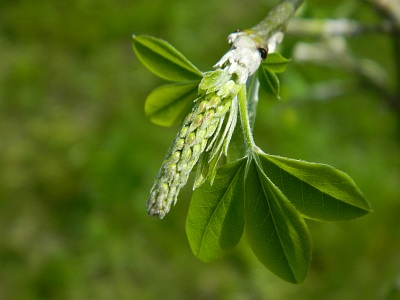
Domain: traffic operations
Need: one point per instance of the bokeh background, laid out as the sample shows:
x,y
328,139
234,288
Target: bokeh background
x,y
78,156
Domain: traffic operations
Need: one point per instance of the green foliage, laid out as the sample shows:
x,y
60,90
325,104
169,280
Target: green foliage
x,y
164,60
318,191
213,81
275,63
215,219
265,195
168,104
276,232
269,81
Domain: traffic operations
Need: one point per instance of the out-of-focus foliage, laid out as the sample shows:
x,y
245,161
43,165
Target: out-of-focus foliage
x,y
78,156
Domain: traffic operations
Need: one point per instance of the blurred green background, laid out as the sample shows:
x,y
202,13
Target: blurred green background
x,y
78,156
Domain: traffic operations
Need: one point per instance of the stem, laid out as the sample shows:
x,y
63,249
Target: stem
x,y
244,118
274,23
277,19
242,139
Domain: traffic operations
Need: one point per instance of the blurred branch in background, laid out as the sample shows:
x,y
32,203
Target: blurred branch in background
x,y
332,50
338,27
390,10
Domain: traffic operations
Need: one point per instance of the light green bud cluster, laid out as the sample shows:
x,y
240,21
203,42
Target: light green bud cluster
x,y
197,134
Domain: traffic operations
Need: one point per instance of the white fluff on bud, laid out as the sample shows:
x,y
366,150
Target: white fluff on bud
x,y
243,59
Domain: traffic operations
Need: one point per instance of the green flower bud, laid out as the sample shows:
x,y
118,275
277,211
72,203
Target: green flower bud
x,y
183,131
186,153
214,101
179,144
175,157
196,122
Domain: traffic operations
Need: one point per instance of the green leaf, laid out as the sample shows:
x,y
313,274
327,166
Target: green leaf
x,y
276,232
268,81
214,80
275,63
167,105
215,220
164,60
318,191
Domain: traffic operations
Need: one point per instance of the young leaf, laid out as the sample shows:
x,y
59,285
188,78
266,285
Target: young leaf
x,y
268,81
275,63
164,60
215,220
214,80
318,191
276,232
167,105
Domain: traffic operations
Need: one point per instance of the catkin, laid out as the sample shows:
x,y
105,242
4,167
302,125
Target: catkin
x,y
198,132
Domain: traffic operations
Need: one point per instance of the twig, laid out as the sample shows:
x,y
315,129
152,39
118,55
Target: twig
x,y
277,19
267,33
338,27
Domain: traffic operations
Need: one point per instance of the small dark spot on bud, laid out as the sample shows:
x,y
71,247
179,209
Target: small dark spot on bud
x,y
263,51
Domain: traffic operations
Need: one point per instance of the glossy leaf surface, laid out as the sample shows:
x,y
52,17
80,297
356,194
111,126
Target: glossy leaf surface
x,y
276,232
318,191
269,82
275,62
167,105
164,60
215,220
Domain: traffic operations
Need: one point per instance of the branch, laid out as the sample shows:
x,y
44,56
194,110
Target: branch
x,y
333,52
390,9
264,36
277,19
339,27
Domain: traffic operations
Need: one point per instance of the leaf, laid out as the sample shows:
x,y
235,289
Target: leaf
x,y
215,220
167,105
268,81
275,63
276,232
214,80
164,60
318,191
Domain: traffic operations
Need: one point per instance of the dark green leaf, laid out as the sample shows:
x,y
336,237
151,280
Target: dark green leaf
x,y
276,232
318,191
268,81
275,63
167,105
215,220
164,60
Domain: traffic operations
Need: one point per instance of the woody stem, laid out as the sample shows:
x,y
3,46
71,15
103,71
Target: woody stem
x,y
276,20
